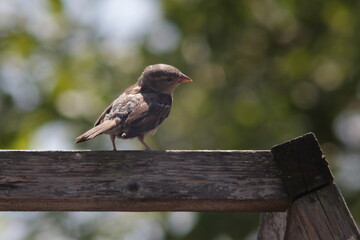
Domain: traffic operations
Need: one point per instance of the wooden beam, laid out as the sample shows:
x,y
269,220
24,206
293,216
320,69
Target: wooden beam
x,y
302,165
322,215
140,181
317,211
272,226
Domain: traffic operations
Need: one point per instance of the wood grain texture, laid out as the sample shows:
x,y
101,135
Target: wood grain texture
x,y
302,164
140,181
321,215
317,211
272,225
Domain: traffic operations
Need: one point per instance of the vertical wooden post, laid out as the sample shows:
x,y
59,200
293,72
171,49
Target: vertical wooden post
x,y
318,210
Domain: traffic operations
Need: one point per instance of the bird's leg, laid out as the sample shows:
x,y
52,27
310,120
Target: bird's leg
x,y
112,138
141,139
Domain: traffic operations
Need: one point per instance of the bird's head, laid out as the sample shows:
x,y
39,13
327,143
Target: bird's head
x,y
162,78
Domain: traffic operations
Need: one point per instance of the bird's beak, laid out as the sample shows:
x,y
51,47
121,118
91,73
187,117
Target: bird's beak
x,y
183,78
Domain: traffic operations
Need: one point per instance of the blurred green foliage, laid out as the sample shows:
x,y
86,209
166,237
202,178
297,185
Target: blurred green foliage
x,y
264,72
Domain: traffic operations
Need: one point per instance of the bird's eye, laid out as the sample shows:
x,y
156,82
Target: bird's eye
x,y
168,79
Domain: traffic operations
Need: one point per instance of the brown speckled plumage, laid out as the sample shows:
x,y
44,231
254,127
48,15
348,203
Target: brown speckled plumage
x,y
141,108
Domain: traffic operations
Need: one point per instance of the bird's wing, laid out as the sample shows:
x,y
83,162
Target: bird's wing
x,y
102,116
149,114
120,105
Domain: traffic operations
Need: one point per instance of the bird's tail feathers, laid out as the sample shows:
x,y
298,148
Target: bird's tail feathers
x,y
97,130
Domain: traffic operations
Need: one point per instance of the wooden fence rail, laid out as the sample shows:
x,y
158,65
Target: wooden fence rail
x,y
140,181
291,184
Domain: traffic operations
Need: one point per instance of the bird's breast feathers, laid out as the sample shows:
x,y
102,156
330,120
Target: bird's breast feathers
x,y
138,113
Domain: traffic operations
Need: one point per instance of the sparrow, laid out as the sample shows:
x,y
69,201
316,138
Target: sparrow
x,y
141,108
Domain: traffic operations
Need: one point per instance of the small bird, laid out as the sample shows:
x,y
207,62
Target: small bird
x,y
141,108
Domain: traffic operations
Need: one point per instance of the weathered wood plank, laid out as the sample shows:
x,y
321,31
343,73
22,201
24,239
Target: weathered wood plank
x,y
140,181
302,164
272,225
318,210
321,215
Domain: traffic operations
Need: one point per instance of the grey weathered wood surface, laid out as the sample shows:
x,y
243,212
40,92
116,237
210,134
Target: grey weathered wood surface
x,y
317,211
140,181
321,215
294,177
302,165
272,226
